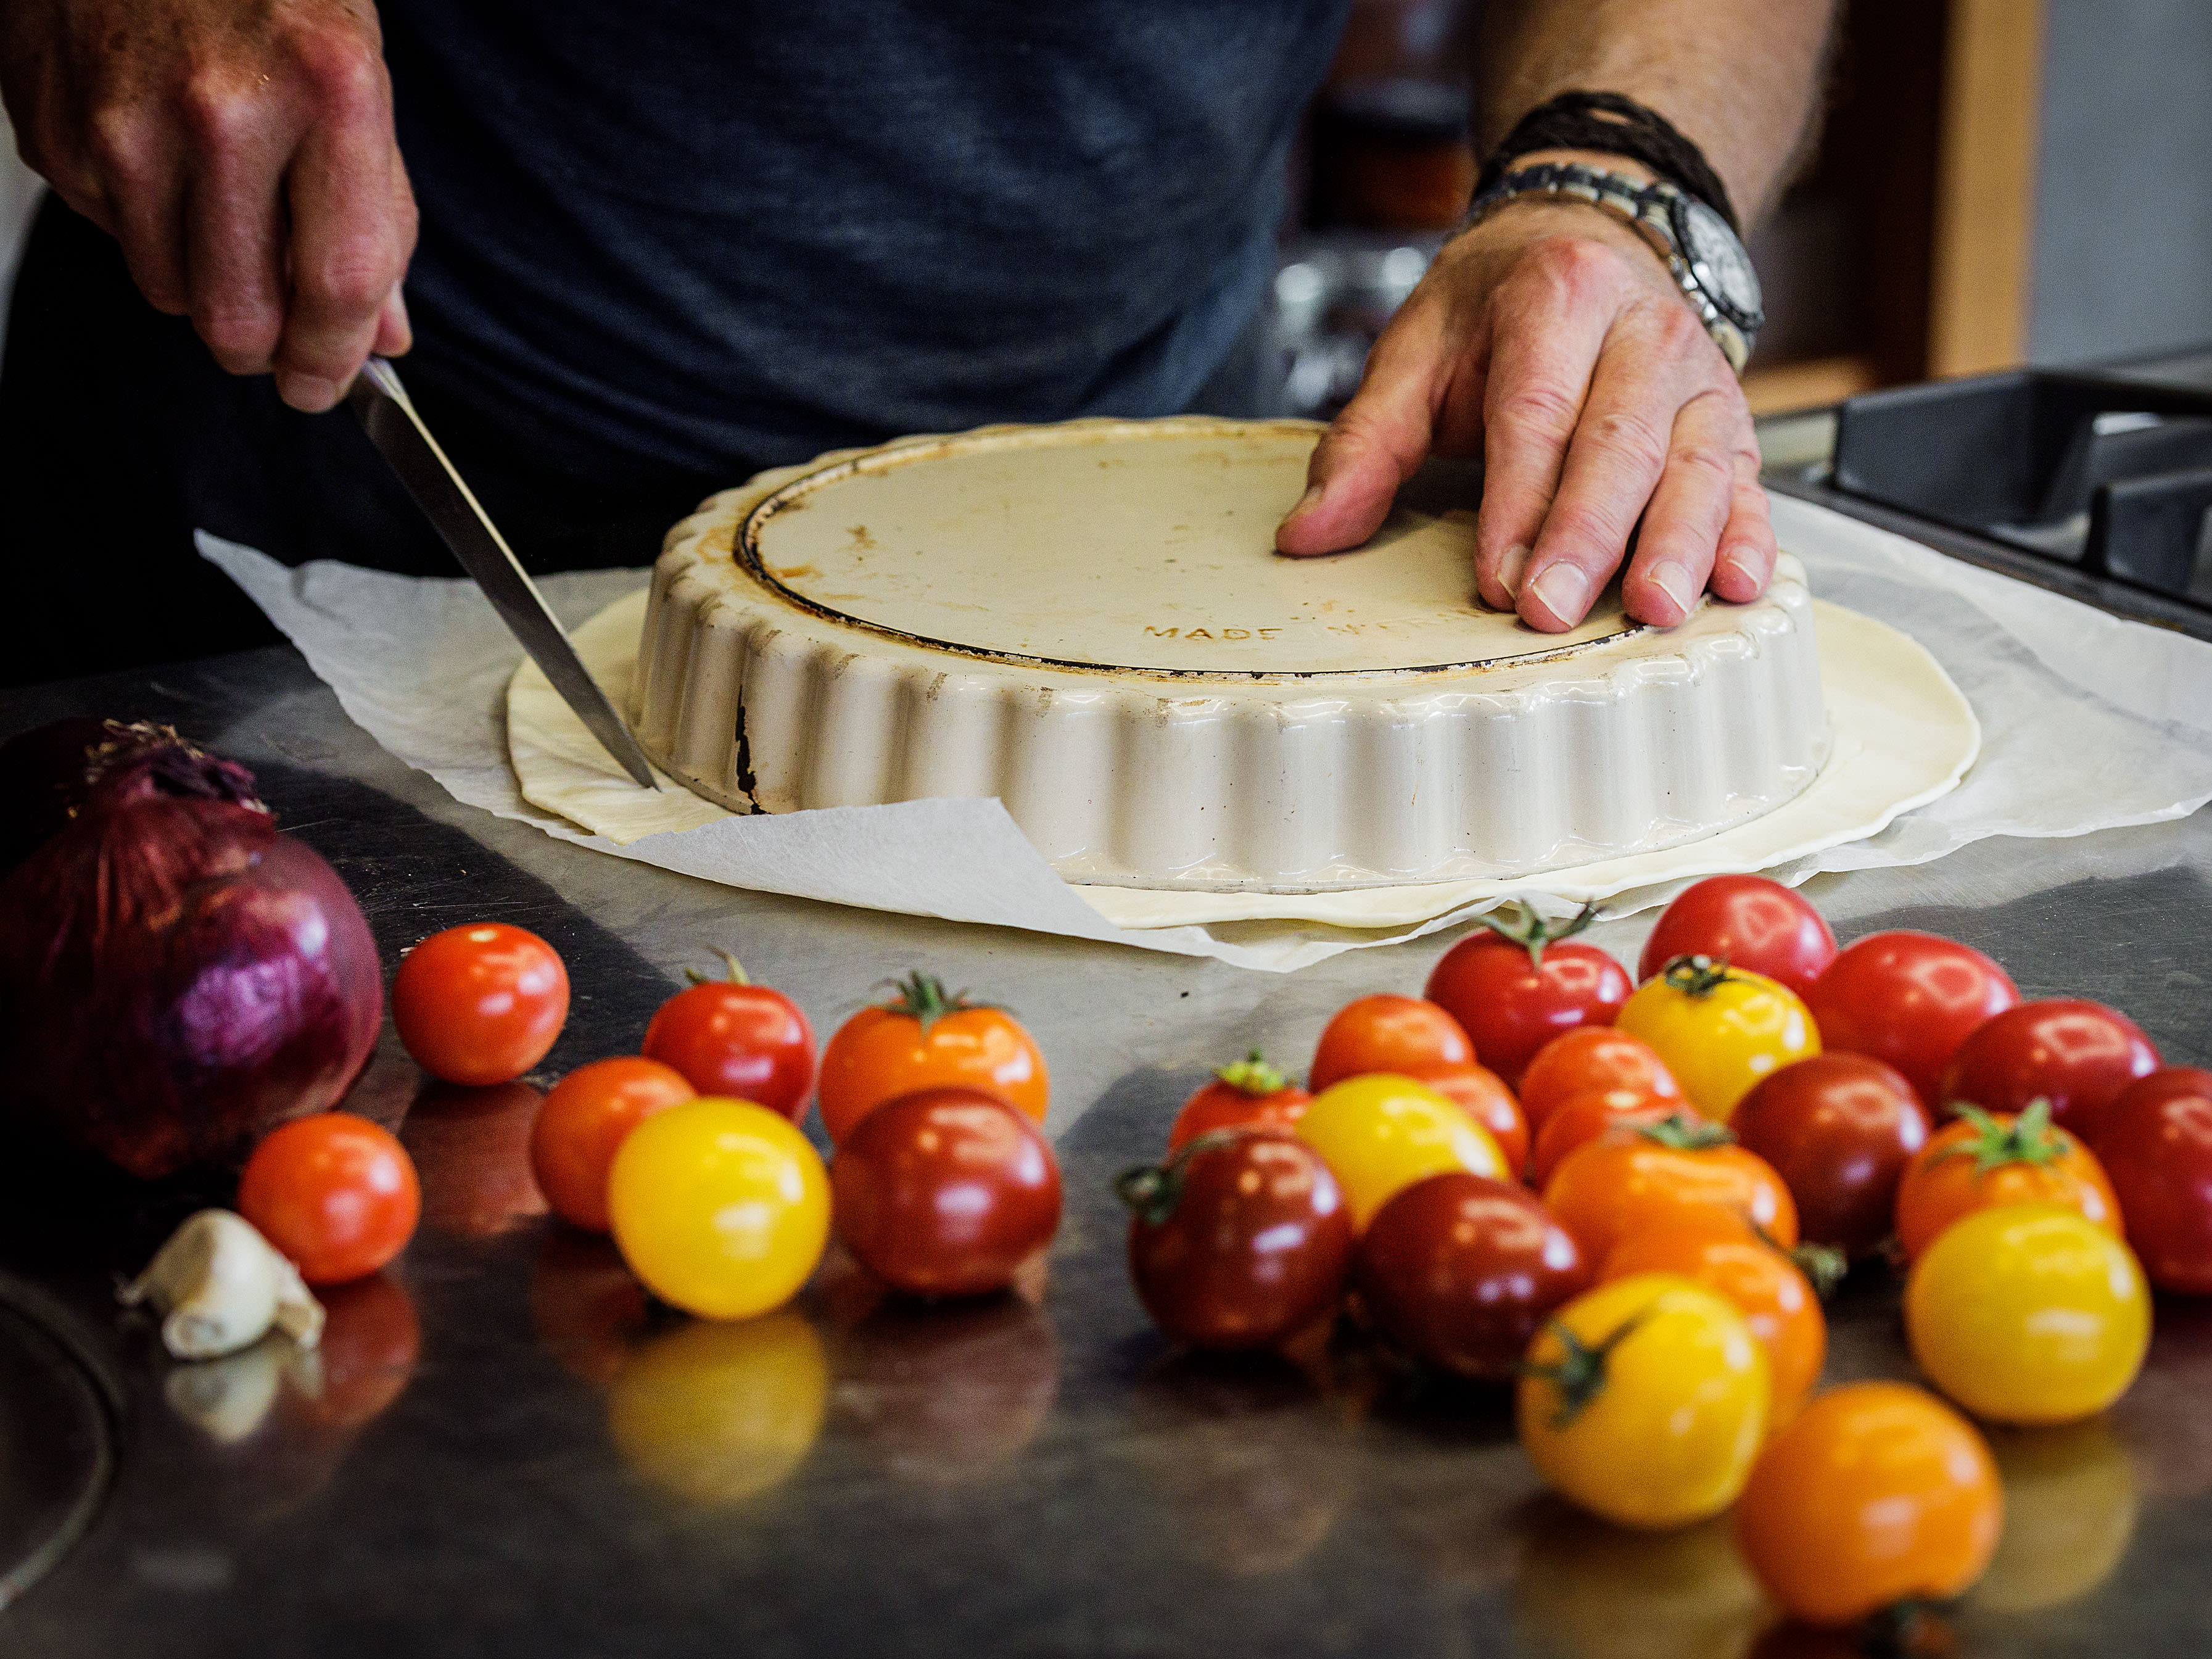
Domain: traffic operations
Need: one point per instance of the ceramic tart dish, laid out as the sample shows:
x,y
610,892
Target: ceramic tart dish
x,y
1089,622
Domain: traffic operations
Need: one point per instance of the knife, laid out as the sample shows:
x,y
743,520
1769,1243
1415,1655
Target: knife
x,y
388,414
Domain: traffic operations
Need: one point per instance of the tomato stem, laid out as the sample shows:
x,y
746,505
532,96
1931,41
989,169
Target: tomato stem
x,y
2028,1139
1823,1265
1579,1372
734,972
923,999
1252,1075
1517,920
1153,1190
1697,976
1685,1132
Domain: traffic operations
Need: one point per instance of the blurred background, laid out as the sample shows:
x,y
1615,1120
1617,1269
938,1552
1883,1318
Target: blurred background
x,y
1998,182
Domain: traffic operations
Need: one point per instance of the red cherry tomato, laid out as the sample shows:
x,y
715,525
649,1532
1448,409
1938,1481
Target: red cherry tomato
x,y
1582,1118
334,1193
737,1040
1747,921
1406,1037
1839,1129
1594,1057
583,1124
2078,1055
1463,1270
1245,1094
1482,1095
2155,1143
1239,1240
1908,1000
945,1193
480,1004
1523,982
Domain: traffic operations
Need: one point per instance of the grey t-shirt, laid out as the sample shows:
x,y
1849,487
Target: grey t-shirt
x,y
697,235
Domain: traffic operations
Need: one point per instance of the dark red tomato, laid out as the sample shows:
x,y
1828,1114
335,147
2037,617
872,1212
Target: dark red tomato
x,y
944,1192
2078,1055
1747,921
1247,1093
1908,1000
1840,1130
1404,1036
733,1038
1521,982
1239,1240
1460,1270
2155,1143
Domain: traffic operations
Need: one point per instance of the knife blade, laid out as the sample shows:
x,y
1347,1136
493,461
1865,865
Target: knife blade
x,y
388,416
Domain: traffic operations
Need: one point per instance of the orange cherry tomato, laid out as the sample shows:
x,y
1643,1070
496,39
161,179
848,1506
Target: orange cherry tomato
x,y
1245,1094
334,1193
1877,1493
583,1123
1658,1174
925,1038
1982,1159
1769,1290
1579,1119
1592,1057
481,1004
1482,1094
1405,1036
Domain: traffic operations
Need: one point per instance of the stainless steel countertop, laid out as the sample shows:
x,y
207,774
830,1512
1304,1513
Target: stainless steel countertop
x,y
510,1456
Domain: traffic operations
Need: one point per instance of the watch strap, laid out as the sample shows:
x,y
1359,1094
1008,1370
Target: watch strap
x,y
1612,125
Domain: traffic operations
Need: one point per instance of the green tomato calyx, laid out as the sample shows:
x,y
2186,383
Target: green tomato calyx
x,y
1579,1371
1253,1076
1152,1190
733,972
2030,1138
923,999
1517,920
1685,1132
1697,976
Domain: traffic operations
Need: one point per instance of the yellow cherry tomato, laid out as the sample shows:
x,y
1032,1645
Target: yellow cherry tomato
x,y
2028,1313
1719,1029
722,1208
1645,1400
716,1413
1381,1132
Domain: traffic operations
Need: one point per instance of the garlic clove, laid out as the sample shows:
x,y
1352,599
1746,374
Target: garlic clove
x,y
219,1285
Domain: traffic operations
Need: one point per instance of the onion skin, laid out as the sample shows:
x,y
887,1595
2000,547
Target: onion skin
x,y
176,979
51,773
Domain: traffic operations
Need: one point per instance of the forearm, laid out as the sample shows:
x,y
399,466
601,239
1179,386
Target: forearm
x,y
1740,78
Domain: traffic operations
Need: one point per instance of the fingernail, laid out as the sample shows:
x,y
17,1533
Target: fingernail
x,y
1306,501
1564,591
1510,564
1674,581
311,394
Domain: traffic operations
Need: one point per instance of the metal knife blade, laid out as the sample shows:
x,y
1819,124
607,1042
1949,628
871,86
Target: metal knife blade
x,y
388,414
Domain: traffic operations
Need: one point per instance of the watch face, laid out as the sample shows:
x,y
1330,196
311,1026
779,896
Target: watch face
x,y
1716,259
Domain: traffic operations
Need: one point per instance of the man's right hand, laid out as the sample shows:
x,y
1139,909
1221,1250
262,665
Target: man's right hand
x,y
241,151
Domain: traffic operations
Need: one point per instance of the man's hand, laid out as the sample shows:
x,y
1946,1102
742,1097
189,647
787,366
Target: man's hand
x,y
242,153
1551,340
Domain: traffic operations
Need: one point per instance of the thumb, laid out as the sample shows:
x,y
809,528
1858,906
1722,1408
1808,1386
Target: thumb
x,y
1377,442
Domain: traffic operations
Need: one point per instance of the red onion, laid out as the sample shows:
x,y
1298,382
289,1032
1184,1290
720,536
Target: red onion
x,y
47,776
177,977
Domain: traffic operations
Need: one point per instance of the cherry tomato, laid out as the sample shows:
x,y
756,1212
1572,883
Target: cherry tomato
x,y
1406,1037
721,1206
733,1038
1461,1269
1877,1493
2155,1144
2029,1314
1482,1095
585,1120
1580,1119
1660,1175
1380,1133
1908,1000
1985,1160
481,1004
1840,1130
924,1038
1593,1057
334,1193
1719,1029
1747,921
1762,1283
1247,1093
1645,1400
1239,1240
945,1193
1523,982
2078,1055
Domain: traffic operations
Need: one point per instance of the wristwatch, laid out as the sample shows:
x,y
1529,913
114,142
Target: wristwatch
x,y
1708,260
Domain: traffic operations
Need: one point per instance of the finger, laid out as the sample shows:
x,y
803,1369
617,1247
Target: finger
x,y
237,139
1550,322
1379,440
137,184
348,248
1681,528
1613,463
395,335
1747,546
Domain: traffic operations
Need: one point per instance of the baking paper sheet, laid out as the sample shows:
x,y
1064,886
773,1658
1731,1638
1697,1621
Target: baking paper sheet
x,y
2088,722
